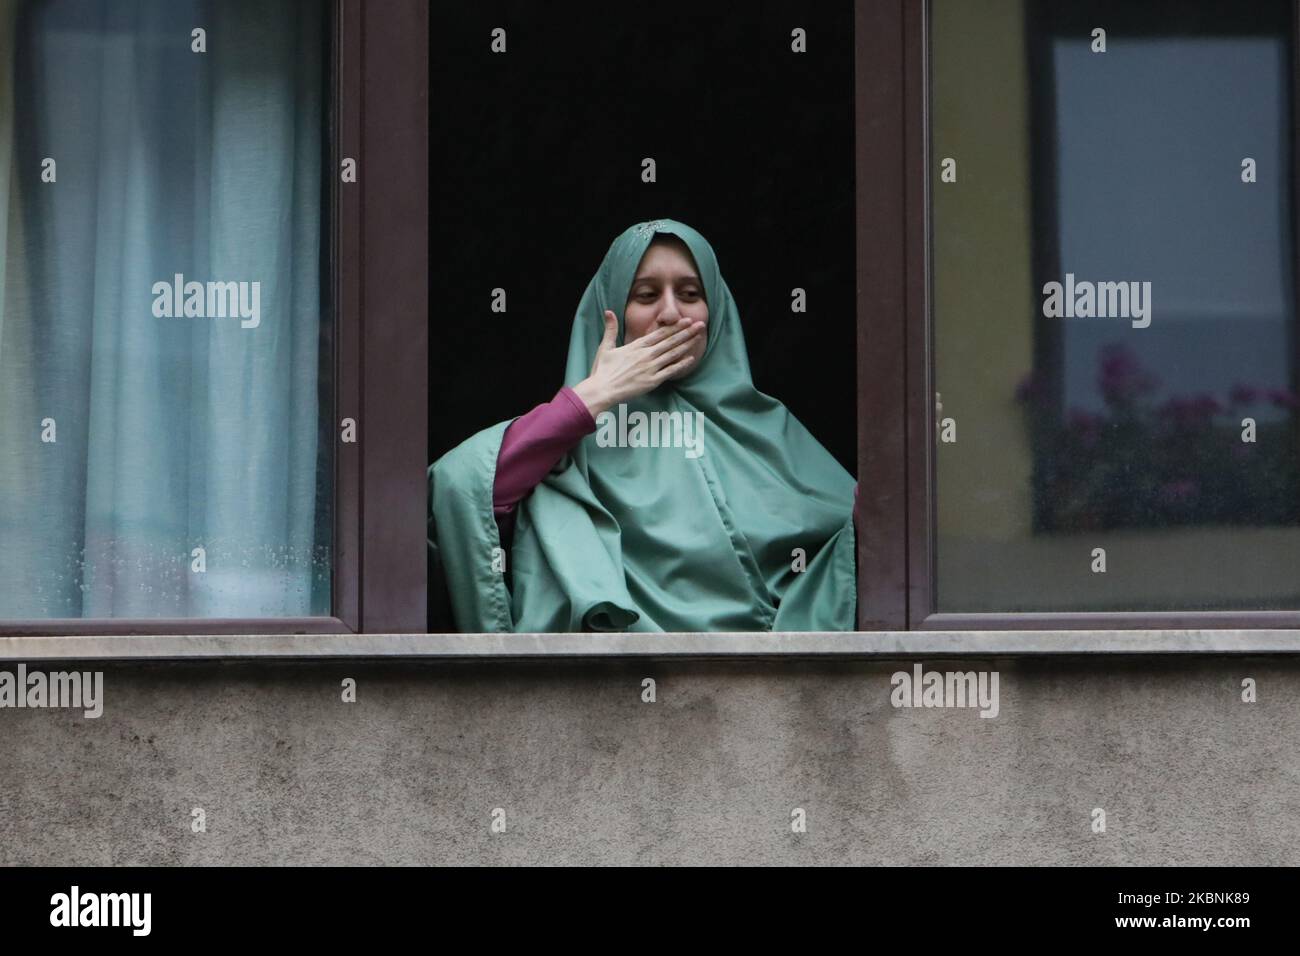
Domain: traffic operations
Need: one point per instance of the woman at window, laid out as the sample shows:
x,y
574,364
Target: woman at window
x,y
659,490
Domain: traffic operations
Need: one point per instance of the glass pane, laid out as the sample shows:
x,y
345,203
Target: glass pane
x,y
1114,306
164,355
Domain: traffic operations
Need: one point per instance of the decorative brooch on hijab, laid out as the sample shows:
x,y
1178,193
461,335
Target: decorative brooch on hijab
x,y
648,228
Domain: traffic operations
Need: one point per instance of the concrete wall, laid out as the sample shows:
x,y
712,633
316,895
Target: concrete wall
x,y
587,773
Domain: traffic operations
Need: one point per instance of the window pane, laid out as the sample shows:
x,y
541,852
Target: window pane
x,y
1114,306
164,350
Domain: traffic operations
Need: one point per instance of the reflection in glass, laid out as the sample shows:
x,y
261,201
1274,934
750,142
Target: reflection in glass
x,y
1139,415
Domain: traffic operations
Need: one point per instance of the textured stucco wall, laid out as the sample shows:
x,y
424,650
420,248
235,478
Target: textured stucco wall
x,y
587,773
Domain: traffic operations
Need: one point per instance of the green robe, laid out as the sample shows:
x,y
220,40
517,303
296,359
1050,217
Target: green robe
x,y
755,533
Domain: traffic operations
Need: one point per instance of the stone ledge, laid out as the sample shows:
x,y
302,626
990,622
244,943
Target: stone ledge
x,y
682,646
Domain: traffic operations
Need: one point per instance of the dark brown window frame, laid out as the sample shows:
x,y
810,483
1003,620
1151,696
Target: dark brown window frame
x,y
906,196
378,257
882,111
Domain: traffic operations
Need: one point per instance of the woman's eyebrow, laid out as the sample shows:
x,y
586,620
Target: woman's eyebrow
x,y
690,278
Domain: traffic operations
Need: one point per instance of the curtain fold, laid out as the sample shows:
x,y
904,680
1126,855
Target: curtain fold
x,y
8,12
175,433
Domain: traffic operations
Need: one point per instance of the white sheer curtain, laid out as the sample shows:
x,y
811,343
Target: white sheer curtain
x,y
172,433
8,13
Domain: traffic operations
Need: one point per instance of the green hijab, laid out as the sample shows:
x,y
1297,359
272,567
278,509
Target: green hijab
x,y
749,530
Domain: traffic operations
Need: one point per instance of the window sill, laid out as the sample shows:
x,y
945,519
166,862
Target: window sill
x,y
882,645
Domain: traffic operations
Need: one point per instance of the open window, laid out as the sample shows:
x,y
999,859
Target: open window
x,y
565,130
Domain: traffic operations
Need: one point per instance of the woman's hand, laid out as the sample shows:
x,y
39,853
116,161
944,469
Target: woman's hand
x,y
623,372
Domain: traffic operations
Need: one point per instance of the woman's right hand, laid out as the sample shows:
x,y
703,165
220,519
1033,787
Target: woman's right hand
x,y
626,371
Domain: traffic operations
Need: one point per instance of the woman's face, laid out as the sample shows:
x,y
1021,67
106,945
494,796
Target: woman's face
x,y
666,289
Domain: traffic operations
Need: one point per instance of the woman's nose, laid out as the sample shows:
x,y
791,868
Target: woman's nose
x,y
670,314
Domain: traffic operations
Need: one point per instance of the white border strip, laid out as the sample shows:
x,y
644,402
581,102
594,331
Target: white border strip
x,y
739,645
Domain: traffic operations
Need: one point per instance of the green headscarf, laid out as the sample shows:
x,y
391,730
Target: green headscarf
x,y
756,533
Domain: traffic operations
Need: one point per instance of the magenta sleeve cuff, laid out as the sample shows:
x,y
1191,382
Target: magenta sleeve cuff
x,y
535,443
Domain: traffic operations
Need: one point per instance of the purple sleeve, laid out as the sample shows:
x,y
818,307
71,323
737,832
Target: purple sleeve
x,y
532,446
